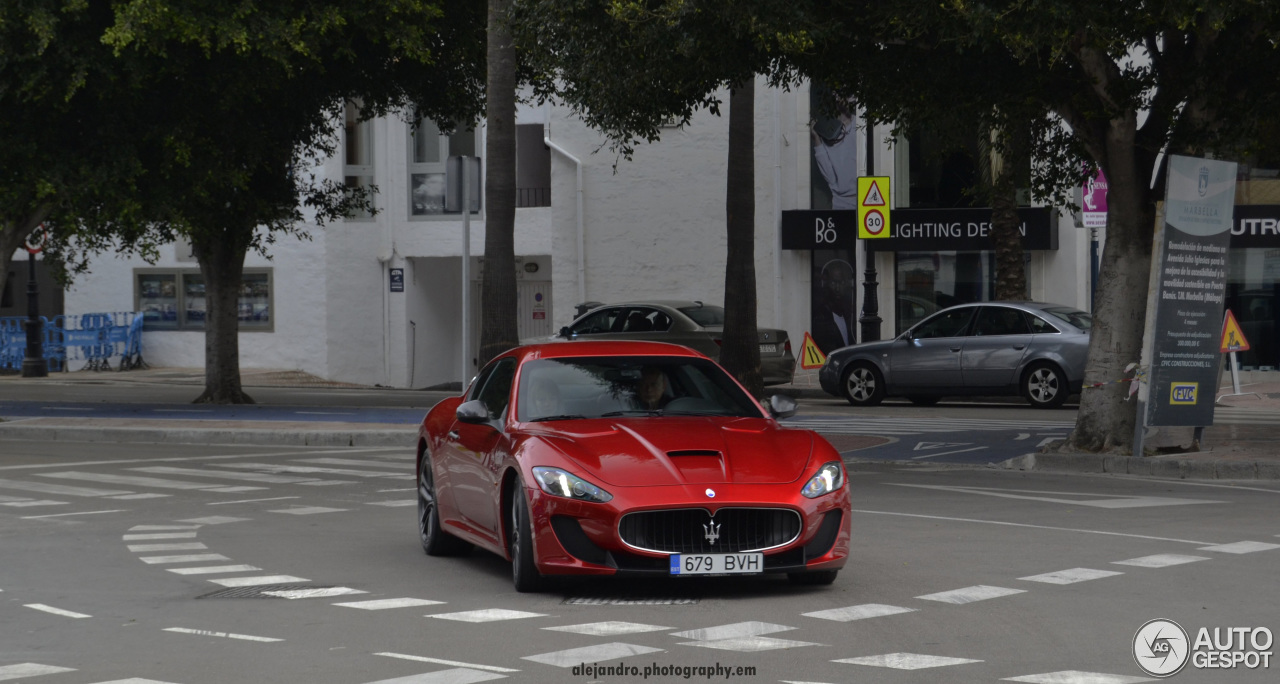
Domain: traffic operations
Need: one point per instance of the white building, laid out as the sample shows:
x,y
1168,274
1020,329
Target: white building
x,y
653,227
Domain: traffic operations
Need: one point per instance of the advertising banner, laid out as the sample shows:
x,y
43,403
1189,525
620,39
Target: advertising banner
x,y
1189,284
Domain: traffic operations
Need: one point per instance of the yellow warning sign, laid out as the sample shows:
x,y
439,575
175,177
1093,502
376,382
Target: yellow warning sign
x,y
1233,339
810,356
873,207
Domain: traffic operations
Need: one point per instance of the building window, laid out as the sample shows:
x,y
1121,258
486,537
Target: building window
x,y
175,299
429,152
533,167
357,167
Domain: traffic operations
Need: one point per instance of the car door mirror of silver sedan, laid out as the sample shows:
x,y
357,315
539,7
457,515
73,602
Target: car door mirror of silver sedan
x,y
473,411
782,406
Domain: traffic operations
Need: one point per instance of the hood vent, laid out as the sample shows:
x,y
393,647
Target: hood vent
x,y
694,452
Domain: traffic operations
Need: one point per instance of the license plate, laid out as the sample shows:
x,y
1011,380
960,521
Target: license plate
x,y
768,349
717,563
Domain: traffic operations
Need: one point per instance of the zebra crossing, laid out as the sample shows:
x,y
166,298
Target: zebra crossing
x,y
893,426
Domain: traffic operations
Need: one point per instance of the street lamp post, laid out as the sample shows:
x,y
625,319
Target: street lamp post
x,y
870,320
33,364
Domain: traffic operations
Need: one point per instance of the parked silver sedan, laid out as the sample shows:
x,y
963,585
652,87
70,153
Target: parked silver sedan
x,y
1032,349
693,324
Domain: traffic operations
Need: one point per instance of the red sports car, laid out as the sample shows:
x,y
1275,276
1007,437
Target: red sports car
x,y
628,458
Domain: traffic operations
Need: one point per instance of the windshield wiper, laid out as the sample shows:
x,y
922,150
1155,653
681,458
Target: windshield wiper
x,y
632,412
562,416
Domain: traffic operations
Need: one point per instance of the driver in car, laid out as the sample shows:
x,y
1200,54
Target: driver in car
x,y
651,390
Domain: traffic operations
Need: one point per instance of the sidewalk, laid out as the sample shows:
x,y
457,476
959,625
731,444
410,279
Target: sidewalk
x,y
1246,448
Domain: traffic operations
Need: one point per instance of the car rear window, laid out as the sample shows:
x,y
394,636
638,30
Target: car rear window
x,y
704,315
1075,317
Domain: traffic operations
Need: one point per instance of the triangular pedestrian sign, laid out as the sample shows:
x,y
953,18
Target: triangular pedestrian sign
x,y
1233,339
810,356
873,197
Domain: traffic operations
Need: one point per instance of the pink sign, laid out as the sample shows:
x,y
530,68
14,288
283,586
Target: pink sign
x,y
1095,201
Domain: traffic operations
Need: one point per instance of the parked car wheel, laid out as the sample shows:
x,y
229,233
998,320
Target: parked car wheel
x,y
863,385
435,541
524,572
924,400
1045,386
813,578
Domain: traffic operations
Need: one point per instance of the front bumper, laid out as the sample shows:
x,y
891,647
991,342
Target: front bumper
x,y
577,538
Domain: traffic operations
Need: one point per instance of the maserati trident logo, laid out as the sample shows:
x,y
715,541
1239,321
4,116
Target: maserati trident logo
x,y
713,532
711,493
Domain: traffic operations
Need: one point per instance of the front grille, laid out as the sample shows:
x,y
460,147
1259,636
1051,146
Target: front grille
x,y
687,530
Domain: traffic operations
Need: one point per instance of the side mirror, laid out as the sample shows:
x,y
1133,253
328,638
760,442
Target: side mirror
x,y
473,411
782,406
566,333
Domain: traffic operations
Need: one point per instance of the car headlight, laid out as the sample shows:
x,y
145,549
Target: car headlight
x,y
830,477
833,362
557,482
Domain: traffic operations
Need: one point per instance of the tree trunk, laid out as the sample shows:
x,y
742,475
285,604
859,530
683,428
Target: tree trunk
x,y
221,257
498,331
1011,271
740,350
1106,420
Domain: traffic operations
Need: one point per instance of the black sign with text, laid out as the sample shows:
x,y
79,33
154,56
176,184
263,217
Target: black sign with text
x,y
916,230
397,280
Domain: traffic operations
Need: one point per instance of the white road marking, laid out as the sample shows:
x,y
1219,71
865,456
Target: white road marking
x,y
395,504
308,510
324,413
981,592
274,468
1071,576
486,615
386,604
55,611
1057,497
862,612
134,680
258,581
353,461
438,661
183,410
215,520
136,481
749,644
324,483
30,670
274,498
946,453
460,675
223,635
1037,527
1241,547
1021,436
225,475
193,558
30,503
159,535
158,528
145,495
192,546
611,628
59,490
929,446
63,515
732,631
323,592
1048,440
214,569
906,661
1160,560
405,489
591,654
1077,677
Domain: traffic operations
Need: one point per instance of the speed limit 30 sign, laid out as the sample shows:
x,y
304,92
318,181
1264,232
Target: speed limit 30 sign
x,y
873,207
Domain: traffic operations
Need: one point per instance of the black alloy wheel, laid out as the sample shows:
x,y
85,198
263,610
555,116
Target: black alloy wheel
x,y
435,541
524,572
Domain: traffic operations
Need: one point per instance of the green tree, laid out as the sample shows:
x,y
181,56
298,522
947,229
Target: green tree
x,y
240,103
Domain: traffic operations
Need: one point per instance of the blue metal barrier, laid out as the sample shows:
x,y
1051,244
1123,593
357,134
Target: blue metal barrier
x,y
93,338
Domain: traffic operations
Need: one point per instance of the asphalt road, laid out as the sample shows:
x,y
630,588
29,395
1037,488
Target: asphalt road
x,y
114,554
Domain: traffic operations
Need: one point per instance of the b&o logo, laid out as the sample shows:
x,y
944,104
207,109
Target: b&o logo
x,y
1161,648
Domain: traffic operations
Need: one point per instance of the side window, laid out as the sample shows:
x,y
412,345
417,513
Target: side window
x,y
1040,325
661,321
1000,320
642,320
598,322
497,387
481,379
946,324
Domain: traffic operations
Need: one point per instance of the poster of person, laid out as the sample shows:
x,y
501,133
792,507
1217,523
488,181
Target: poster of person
x,y
835,151
833,312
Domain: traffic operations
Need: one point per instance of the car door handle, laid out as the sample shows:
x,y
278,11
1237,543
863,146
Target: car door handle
x,y
453,434
1019,346
955,349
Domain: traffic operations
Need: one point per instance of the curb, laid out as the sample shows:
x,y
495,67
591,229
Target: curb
x,y
346,438
1164,467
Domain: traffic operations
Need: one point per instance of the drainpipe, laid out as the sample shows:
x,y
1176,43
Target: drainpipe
x,y
581,230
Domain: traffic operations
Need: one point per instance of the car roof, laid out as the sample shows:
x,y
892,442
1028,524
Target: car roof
x,y
583,348
670,303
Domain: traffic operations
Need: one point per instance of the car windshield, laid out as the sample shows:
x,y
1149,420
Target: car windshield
x,y
1075,317
704,315
643,386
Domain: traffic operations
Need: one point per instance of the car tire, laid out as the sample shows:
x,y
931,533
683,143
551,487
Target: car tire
x,y
524,571
863,385
1045,386
924,400
813,578
435,541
